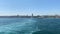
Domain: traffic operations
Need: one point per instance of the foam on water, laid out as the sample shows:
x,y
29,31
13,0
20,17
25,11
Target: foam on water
x,y
29,26
25,27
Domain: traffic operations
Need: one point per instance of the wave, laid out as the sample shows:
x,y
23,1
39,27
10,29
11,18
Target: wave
x,y
46,32
25,27
30,26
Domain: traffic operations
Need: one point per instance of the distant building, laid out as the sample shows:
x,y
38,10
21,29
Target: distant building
x,y
32,15
17,15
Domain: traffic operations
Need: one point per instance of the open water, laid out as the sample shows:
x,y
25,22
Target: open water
x,y
29,26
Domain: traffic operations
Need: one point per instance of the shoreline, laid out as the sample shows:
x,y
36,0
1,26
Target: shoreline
x,y
17,16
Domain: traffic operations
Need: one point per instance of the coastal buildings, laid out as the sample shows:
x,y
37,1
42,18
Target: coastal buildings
x,y
32,16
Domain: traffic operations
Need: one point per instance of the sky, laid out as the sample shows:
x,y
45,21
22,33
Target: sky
x,y
24,7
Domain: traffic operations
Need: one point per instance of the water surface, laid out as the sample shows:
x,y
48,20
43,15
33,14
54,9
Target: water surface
x,y
29,26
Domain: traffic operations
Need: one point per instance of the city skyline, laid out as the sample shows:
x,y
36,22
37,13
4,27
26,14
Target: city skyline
x,y
24,7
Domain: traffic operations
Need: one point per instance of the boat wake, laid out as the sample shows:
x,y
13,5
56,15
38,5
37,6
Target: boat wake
x,y
27,26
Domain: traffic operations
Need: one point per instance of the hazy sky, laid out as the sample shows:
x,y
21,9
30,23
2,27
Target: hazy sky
x,y
23,7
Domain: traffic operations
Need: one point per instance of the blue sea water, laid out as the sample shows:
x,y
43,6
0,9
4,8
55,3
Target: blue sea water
x,y
29,26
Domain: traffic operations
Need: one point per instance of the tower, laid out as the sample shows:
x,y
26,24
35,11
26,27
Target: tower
x,y
32,14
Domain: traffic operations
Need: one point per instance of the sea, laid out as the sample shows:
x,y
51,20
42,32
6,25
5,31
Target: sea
x,y
29,25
